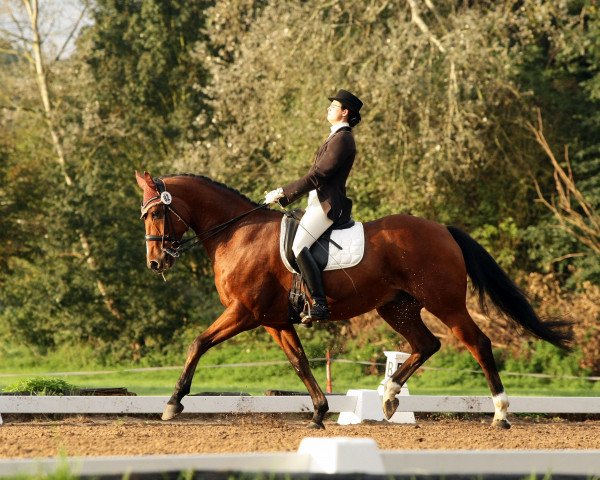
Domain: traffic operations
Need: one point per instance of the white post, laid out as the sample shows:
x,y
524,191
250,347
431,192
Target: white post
x,y
342,455
368,407
394,360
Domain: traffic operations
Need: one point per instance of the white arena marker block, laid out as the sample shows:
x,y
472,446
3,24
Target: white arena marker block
x,y
369,402
342,455
394,360
368,407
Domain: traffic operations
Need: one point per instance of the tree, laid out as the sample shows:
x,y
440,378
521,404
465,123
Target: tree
x,y
32,49
236,90
87,202
447,96
440,112
140,56
560,66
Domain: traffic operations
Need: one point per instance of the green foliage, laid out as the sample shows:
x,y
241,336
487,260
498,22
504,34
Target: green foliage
x,y
502,239
561,67
555,250
141,63
546,359
237,90
542,367
74,267
42,386
443,132
424,143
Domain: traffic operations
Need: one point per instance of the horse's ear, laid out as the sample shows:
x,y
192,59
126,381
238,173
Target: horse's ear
x,y
145,181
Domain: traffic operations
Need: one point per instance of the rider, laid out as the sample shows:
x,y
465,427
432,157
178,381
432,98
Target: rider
x,y
325,183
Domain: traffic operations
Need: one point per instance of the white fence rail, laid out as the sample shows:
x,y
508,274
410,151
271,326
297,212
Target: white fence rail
x,y
287,404
329,456
319,455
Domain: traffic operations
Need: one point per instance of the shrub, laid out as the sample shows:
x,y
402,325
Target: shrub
x,y
42,386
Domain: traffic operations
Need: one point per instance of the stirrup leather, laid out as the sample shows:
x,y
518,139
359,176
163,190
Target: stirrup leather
x,y
313,278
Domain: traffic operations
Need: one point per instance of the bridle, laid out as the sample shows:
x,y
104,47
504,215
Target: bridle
x,y
165,199
177,247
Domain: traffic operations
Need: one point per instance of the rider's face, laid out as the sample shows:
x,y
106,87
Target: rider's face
x,y
335,113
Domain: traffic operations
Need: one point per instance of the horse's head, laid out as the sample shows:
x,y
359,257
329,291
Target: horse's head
x,y
166,218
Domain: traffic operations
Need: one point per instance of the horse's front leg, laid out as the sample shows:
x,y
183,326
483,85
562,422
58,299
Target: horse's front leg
x,y
235,319
288,340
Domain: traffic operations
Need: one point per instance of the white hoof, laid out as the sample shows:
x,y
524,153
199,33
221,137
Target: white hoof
x,y
171,411
390,406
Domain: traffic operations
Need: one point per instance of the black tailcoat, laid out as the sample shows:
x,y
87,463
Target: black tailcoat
x,y
328,174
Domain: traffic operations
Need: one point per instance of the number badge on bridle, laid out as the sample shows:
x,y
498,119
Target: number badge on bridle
x,y
166,198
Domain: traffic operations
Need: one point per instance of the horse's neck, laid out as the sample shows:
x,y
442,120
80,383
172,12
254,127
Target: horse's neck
x,y
213,205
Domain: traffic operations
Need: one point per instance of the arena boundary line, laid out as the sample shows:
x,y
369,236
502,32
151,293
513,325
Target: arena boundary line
x,y
330,456
352,402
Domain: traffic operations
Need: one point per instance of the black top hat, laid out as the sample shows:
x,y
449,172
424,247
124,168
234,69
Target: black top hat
x,y
348,100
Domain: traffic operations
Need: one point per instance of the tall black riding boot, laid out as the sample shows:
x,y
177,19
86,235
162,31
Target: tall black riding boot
x,y
314,281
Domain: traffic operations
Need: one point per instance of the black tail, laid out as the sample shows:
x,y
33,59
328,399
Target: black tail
x,y
488,277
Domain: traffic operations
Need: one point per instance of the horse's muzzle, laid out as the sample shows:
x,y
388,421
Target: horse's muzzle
x,y
153,265
161,264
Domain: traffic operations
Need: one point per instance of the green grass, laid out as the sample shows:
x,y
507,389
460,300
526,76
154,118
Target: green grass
x,y
255,381
453,377
62,472
235,379
41,386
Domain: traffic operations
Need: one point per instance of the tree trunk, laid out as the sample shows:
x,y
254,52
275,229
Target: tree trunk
x,y
42,80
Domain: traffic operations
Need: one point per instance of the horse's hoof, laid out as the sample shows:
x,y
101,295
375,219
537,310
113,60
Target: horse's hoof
x,y
171,411
505,424
316,426
390,407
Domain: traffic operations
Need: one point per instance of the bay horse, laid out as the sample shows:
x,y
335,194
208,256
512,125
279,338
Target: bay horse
x,y
409,263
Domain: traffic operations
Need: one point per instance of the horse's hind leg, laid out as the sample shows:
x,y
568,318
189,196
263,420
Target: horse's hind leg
x,y
288,340
235,319
404,315
480,346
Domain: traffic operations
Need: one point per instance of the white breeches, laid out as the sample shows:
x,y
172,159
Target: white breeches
x,y
313,224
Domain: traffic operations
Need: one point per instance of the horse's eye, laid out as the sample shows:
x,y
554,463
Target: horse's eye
x,y
156,215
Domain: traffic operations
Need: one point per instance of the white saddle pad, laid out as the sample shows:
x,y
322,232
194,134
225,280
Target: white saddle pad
x,y
352,241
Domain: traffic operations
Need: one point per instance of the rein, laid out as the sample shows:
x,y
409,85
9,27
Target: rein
x,y
178,247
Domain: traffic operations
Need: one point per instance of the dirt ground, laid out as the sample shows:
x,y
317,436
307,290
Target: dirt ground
x,y
91,436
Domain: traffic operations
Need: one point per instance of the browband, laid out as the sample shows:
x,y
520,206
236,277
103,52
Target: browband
x,y
163,197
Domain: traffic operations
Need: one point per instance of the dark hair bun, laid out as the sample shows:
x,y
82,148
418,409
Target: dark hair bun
x,y
354,118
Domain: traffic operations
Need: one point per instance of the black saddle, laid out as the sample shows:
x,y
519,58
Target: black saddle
x,y
319,249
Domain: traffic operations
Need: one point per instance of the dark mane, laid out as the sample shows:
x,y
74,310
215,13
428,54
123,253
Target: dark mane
x,y
214,182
